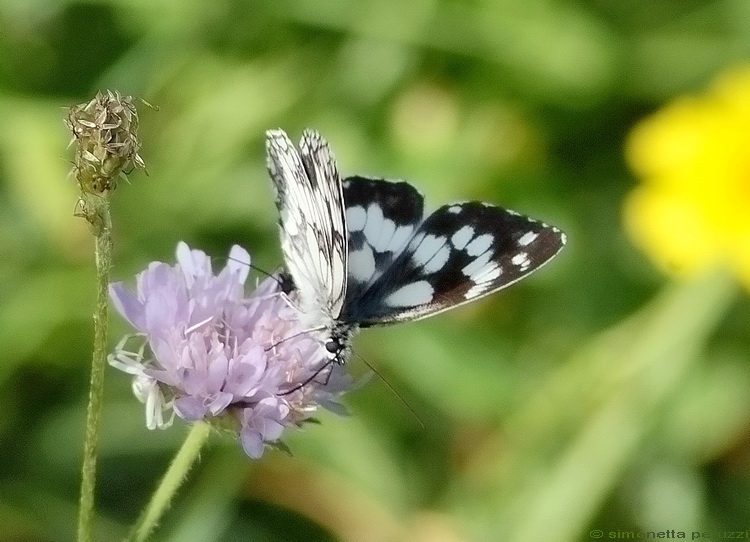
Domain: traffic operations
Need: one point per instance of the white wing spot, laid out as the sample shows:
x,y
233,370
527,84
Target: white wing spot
x,y
527,238
400,237
479,245
437,262
356,217
461,238
362,264
455,209
476,290
427,249
488,274
511,212
415,241
522,260
411,295
374,223
519,258
387,231
476,266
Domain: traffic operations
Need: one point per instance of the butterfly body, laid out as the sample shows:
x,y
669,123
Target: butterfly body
x,y
360,251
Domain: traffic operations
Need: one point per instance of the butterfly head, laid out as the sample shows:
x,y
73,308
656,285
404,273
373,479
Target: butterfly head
x,y
338,343
286,282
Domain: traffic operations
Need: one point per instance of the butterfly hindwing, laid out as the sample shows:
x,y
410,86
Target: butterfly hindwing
x,y
381,217
311,219
459,253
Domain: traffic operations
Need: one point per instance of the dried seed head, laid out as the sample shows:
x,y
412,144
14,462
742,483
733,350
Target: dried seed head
x,y
105,133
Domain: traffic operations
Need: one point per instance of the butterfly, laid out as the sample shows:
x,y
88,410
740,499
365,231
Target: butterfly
x,y
360,251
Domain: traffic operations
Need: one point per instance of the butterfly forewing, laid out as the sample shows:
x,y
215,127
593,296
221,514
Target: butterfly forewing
x,y
322,171
460,253
311,220
381,217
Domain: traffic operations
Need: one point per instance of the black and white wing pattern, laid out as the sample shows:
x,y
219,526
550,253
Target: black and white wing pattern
x,y
311,221
361,253
381,218
459,253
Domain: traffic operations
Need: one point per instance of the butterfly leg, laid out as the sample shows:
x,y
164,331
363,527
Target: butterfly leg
x,y
311,378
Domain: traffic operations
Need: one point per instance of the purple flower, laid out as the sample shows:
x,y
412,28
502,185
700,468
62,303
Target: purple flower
x,y
208,352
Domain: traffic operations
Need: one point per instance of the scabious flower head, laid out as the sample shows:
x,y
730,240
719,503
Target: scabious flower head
x,y
208,352
691,209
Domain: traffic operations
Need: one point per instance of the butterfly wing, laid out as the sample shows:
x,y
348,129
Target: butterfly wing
x,y
459,253
381,217
310,201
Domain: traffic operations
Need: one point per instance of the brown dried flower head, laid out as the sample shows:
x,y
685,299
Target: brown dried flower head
x,y
105,132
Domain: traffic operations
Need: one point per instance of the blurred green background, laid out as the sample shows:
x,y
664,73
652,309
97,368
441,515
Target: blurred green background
x,y
597,395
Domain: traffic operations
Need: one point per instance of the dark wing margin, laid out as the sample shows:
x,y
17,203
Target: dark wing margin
x,y
381,218
311,219
460,253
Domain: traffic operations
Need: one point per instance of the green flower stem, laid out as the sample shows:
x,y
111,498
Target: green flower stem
x,y
97,213
171,482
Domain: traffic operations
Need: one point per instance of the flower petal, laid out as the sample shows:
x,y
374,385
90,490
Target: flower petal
x,y
252,442
239,262
194,264
128,305
190,408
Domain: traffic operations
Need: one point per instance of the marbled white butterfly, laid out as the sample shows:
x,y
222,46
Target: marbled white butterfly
x,y
360,252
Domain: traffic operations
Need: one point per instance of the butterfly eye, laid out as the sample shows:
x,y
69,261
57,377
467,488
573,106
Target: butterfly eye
x,y
286,282
333,346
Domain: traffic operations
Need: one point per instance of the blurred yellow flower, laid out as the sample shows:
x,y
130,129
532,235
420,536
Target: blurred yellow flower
x,y
692,208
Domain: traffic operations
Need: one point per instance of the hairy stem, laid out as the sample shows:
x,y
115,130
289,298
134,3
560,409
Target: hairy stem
x,y
101,225
170,482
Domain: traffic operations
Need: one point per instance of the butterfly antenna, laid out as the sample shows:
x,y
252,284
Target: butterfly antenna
x,y
258,269
277,343
394,391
